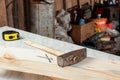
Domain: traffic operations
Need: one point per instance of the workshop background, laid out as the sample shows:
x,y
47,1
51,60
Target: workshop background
x,y
90,23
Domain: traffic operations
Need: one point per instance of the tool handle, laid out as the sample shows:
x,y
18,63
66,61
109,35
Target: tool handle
x,y
44,48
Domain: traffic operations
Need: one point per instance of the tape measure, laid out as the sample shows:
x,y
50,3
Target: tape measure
x,y
10,35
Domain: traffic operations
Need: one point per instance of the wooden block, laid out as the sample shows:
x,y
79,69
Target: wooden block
x,y
15,75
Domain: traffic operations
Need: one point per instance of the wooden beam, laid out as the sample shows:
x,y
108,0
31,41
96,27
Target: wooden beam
x,y
3,17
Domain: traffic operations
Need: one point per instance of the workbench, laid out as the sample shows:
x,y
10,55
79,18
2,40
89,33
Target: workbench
x,y
97,66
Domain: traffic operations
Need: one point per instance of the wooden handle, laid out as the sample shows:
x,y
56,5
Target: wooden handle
x,y
44,48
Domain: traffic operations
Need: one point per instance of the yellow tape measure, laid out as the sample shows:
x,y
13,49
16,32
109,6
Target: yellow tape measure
x,y
10,35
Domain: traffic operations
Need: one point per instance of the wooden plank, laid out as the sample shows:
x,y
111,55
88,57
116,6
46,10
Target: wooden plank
x,y
88,69
9,7
3,17
44,48
107,70
14,75
15,13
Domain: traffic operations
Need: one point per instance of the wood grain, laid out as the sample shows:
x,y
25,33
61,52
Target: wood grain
x,y
87,70
9,11
44,48
97,66
14,75
58,5
3,17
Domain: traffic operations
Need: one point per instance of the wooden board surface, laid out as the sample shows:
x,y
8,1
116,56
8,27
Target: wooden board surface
x,y
109,70
88,69
24,54
14,75
27,54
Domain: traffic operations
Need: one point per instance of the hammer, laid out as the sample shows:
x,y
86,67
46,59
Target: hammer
x,y
63,59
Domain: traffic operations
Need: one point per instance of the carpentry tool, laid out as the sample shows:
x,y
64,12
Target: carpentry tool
x,y
10,35
63,59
